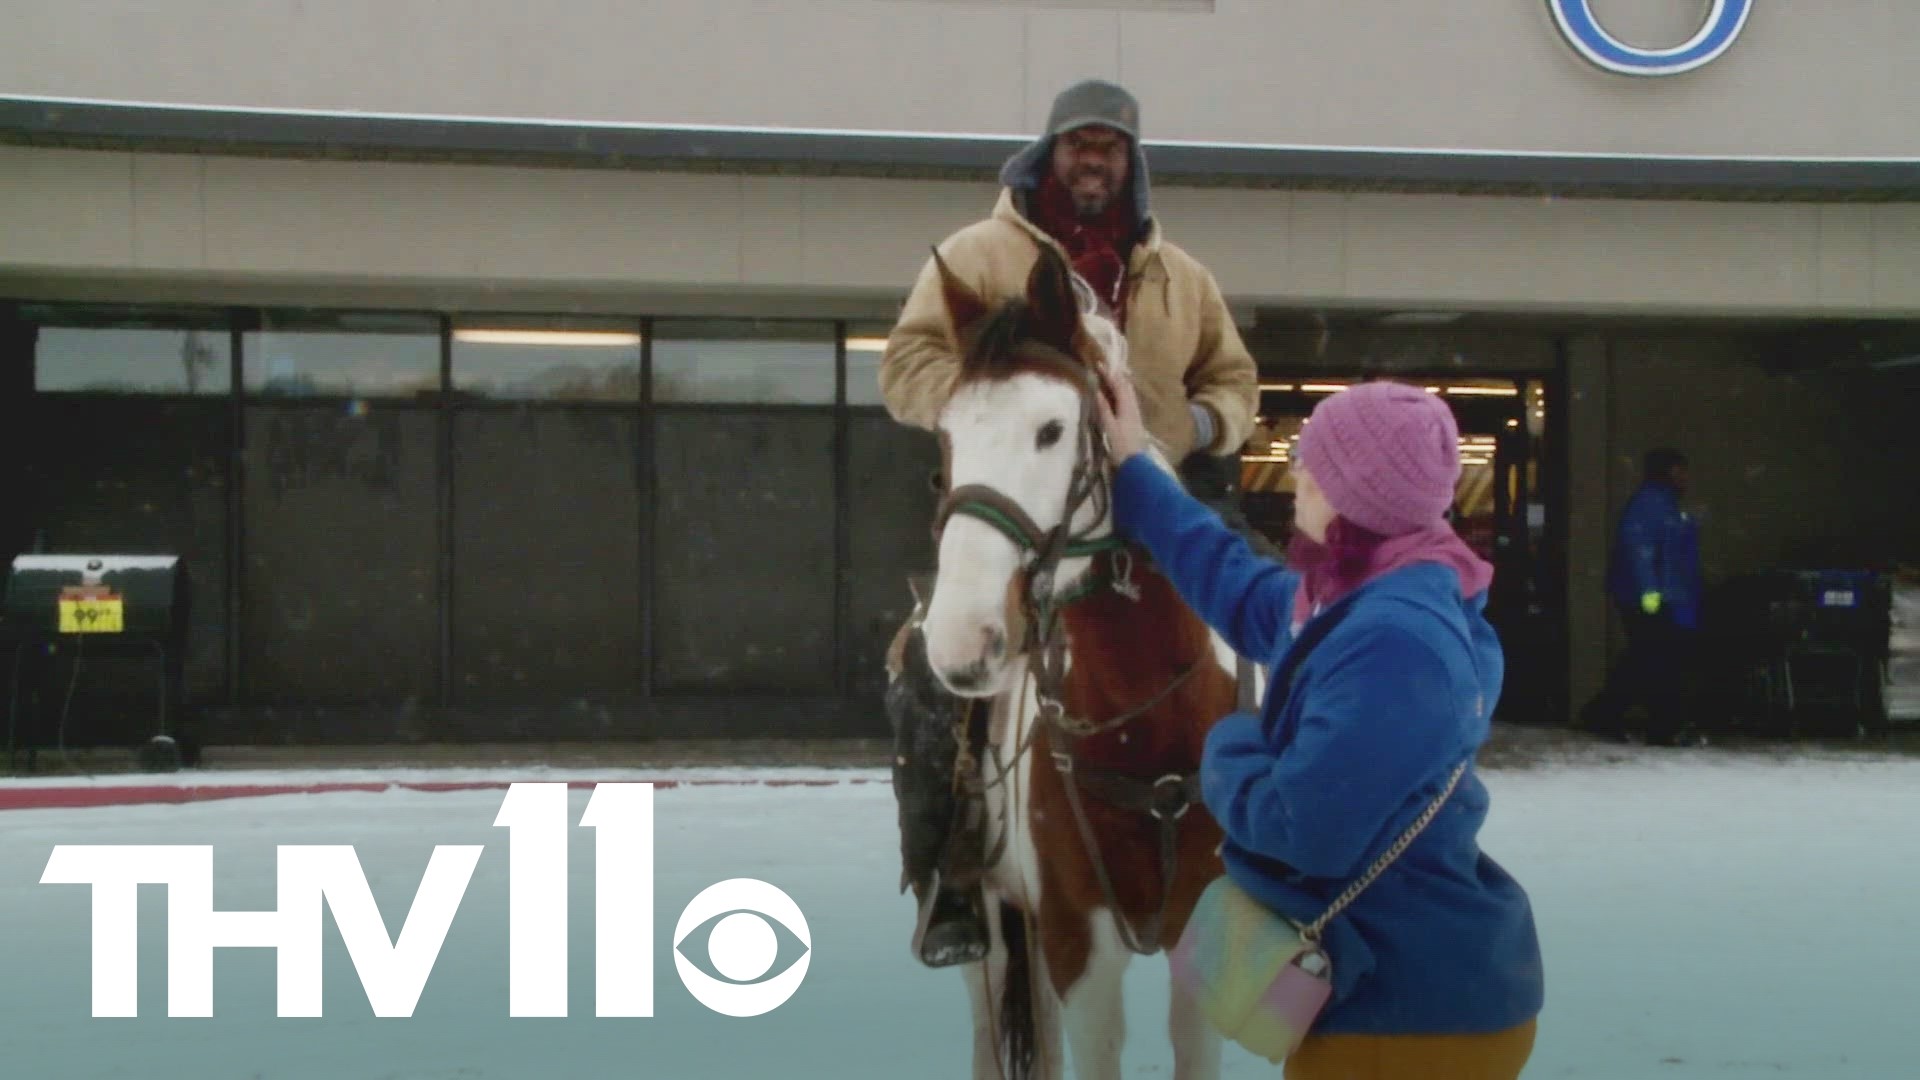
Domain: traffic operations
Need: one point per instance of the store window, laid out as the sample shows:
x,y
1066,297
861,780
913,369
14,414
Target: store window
x,y
132,353
546,556
866,344
743,551
743,362
891,503
340,567
548,359
125,448
348,354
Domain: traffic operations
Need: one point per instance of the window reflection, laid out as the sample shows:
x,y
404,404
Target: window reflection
x,y
866,343
760,362
343,355
525,359
126,360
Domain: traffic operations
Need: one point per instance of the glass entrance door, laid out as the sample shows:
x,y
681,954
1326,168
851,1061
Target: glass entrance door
x,y
1500,506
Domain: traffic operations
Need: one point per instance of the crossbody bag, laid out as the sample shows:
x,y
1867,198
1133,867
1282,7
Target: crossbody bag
x,y
1260,978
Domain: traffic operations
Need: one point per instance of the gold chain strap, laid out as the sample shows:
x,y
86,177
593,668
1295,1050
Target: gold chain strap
x,y
1313,930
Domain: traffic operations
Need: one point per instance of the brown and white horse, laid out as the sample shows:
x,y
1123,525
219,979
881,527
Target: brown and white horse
x,y
1101,683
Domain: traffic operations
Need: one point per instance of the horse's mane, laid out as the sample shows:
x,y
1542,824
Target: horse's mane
x,y
994,350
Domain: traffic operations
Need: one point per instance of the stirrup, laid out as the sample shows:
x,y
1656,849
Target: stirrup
x,y
959,938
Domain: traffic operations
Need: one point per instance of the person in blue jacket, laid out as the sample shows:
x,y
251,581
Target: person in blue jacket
x,y
1655,583
1437,971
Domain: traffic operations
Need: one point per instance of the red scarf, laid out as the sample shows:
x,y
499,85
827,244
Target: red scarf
x,y
1353,556
1094,246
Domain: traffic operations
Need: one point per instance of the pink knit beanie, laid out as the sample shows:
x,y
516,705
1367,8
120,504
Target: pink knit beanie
x,y
1386,455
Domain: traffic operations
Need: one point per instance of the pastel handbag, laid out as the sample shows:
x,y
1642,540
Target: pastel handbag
x,y
1260,978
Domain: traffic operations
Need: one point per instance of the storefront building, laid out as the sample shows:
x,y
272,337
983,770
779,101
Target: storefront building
x,y
514,376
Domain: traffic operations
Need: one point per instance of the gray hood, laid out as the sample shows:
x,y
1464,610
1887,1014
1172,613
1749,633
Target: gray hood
x,y
1024,171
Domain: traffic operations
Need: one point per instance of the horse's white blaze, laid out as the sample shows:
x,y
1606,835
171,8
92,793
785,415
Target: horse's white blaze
x,y
993,435
969,603
992,428
1017,874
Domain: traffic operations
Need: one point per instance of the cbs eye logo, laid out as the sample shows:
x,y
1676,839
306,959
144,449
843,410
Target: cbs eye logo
x,y
742,947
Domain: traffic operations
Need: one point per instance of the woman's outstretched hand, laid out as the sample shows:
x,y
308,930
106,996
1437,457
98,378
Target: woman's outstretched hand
x,y
1120,417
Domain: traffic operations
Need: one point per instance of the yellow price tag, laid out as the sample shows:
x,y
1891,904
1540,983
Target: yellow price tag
x,y
93,616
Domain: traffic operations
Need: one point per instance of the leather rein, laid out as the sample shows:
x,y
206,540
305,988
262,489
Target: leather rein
x,y
1166,799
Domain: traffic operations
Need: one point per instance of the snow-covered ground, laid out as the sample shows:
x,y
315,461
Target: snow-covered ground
x,y
1703,915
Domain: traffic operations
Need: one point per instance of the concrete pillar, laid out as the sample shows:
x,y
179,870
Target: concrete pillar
x,y
1590,514
16,395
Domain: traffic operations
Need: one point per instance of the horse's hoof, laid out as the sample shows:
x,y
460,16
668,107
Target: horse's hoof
x,y
946,946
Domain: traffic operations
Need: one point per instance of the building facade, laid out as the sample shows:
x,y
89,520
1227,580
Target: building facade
x,y
511,374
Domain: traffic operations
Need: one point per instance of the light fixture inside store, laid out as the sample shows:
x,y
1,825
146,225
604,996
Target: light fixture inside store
x,y
1896,363
1483,391
1323,388
1272,459
562,338
1277,387
866,344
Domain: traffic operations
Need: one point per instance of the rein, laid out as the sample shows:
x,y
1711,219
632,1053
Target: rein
x,y
1166,799
987,504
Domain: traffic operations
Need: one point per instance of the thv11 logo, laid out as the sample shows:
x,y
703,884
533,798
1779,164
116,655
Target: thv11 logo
x,y
394,971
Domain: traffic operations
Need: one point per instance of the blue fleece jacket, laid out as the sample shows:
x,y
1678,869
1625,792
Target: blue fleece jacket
x,y
1656,548
1315,788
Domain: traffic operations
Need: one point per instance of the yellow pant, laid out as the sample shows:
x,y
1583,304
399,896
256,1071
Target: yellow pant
x,y
1499,1056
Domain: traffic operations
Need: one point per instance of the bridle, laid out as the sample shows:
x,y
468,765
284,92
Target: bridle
x,y
1043,549
1166,799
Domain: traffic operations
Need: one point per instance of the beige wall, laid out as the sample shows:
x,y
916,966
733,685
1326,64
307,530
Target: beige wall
x,y
1806,78
488,234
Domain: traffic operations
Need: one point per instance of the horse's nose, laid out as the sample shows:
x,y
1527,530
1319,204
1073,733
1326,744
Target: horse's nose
x,y
996,643
976,675
966,680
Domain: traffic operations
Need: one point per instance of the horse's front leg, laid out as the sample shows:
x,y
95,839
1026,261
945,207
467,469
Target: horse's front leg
x,y
1196,1043
1001,1027
986,981
1094,1004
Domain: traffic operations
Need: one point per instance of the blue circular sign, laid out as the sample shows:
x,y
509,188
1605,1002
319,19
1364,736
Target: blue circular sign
x,y
1724,21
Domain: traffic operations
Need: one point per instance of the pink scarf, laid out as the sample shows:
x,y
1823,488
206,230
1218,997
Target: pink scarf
x,y
1353,556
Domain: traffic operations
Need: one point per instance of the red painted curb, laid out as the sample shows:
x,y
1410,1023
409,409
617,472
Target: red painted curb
x,y
72,797
56,798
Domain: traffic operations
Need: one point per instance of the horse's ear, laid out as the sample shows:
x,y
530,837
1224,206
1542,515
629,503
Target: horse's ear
x,y
965,308
1052,304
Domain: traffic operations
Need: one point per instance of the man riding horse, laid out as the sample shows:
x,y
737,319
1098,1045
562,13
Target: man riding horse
x,y
1081,189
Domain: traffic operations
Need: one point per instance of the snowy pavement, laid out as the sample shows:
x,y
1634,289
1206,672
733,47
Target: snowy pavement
x,y
1702,914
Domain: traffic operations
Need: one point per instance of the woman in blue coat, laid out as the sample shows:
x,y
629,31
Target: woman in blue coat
x,y
1436,966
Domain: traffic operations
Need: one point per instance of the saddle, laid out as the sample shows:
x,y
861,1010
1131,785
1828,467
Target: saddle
x,y
939,732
